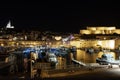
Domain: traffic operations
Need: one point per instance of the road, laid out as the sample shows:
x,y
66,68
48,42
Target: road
x,y
108,74
96,74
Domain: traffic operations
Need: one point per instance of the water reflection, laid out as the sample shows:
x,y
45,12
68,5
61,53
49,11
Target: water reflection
x,y
61,63
89,58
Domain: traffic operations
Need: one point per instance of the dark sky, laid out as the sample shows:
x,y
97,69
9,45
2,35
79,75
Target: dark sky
x,y
60,16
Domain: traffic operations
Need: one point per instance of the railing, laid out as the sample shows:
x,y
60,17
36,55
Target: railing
x,y
39,65
47,70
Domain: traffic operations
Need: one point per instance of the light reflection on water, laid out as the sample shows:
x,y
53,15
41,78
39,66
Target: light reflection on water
x,y
86,57
89,58
81,56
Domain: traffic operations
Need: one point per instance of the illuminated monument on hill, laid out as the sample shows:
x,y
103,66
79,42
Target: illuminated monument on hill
x,y
9,25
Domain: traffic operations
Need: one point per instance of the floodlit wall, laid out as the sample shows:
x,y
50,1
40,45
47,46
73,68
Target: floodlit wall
x,y
100,30
97,32
116,31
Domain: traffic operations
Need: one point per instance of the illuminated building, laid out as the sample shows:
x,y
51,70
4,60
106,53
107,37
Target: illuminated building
x,y
100,30
105,37
103,34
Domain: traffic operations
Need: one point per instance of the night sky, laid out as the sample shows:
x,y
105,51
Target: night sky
x,y
60,16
